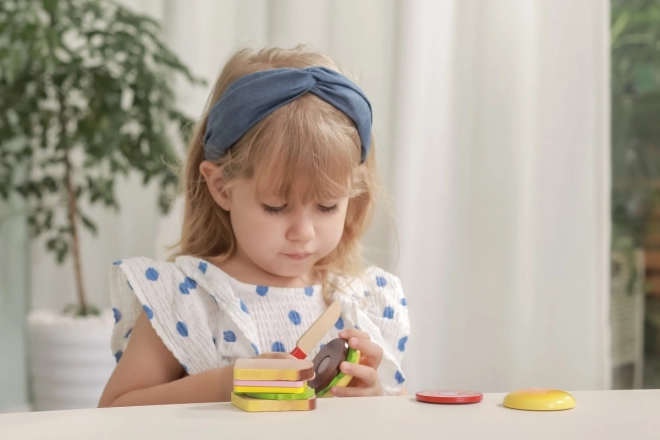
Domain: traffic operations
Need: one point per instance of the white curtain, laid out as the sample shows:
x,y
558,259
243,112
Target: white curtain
x,y
492,125
502,189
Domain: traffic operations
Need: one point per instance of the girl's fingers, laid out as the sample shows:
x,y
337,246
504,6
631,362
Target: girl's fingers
x,y
365,382
366,376
354,333
371,354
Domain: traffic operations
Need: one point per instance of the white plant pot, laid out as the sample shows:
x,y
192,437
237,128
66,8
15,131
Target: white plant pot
x,y
70,359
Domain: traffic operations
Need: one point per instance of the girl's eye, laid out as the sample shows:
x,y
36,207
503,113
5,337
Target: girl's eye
x,y
328,209
273,209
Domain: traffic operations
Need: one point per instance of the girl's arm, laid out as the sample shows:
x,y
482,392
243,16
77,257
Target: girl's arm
x,y
149,374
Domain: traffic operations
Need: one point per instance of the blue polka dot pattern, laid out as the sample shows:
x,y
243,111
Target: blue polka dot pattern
x,y
117,263
214,341
203,266
148,311
256,350
399,378
187,284
117,314
229,336
339,325
357,328
295,317
184,368
182,328
381,282
128,333
151,274
321,347
309,291
278,347
403,302
118,355
388,313
244,308
129,285
402,343
262,290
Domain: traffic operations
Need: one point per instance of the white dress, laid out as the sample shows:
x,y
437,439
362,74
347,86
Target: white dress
x,y
208,319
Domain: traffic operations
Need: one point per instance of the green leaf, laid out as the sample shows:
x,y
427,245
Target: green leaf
x,y
89,224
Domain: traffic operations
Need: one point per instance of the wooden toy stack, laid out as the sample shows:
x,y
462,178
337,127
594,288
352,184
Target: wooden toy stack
x,y
262,385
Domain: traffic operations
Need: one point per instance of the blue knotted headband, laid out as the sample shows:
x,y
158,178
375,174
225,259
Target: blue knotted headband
x,y
252,97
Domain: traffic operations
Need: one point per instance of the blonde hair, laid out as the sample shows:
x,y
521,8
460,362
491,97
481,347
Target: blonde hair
x,y
307,138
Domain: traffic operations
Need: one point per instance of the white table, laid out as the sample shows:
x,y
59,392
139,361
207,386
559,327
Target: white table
x,y
598,415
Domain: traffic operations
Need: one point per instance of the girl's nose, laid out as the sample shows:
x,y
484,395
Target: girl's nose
x,y
301,228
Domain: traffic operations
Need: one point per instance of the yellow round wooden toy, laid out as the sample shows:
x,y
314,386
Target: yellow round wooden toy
x,y
539,399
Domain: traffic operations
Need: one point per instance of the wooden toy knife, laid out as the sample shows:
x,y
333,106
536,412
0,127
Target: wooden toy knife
x,y
315,333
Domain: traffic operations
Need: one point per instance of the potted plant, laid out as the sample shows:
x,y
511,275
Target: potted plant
x,y
85,98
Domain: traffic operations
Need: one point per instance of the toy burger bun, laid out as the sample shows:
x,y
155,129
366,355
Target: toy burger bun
x,y
273,370
326,366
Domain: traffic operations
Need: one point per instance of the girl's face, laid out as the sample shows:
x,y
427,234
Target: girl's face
x,y
282,238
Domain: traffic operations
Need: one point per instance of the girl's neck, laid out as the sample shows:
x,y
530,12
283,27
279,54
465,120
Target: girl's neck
x,y
246,271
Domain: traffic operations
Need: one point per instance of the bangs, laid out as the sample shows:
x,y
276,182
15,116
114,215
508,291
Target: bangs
x,y
311,152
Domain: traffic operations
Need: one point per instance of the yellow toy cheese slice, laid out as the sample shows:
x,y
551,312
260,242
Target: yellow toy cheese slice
x,y
539,399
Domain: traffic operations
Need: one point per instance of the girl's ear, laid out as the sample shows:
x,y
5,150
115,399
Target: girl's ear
x,y
216,184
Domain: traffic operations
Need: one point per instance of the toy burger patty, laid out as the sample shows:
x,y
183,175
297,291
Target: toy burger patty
x,y
326,366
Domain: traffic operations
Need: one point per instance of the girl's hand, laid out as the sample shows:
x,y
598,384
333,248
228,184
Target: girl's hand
x,y
365,377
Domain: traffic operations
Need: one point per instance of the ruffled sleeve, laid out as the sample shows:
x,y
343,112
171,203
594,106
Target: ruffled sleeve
x,y
377,305
175,309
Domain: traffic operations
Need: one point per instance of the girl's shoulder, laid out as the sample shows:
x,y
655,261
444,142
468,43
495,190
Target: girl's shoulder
x,y
381,296
382,286
183,272
376,277
150,269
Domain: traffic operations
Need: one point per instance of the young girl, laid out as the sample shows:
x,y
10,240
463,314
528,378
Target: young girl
x,y
280,185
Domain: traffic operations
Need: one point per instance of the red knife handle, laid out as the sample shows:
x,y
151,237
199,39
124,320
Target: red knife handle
x,y
298,353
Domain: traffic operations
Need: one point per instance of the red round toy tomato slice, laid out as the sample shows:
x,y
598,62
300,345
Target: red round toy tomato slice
x,y
449,396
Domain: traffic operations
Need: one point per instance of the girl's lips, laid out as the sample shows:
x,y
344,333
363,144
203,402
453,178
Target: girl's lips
x,y
297,256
